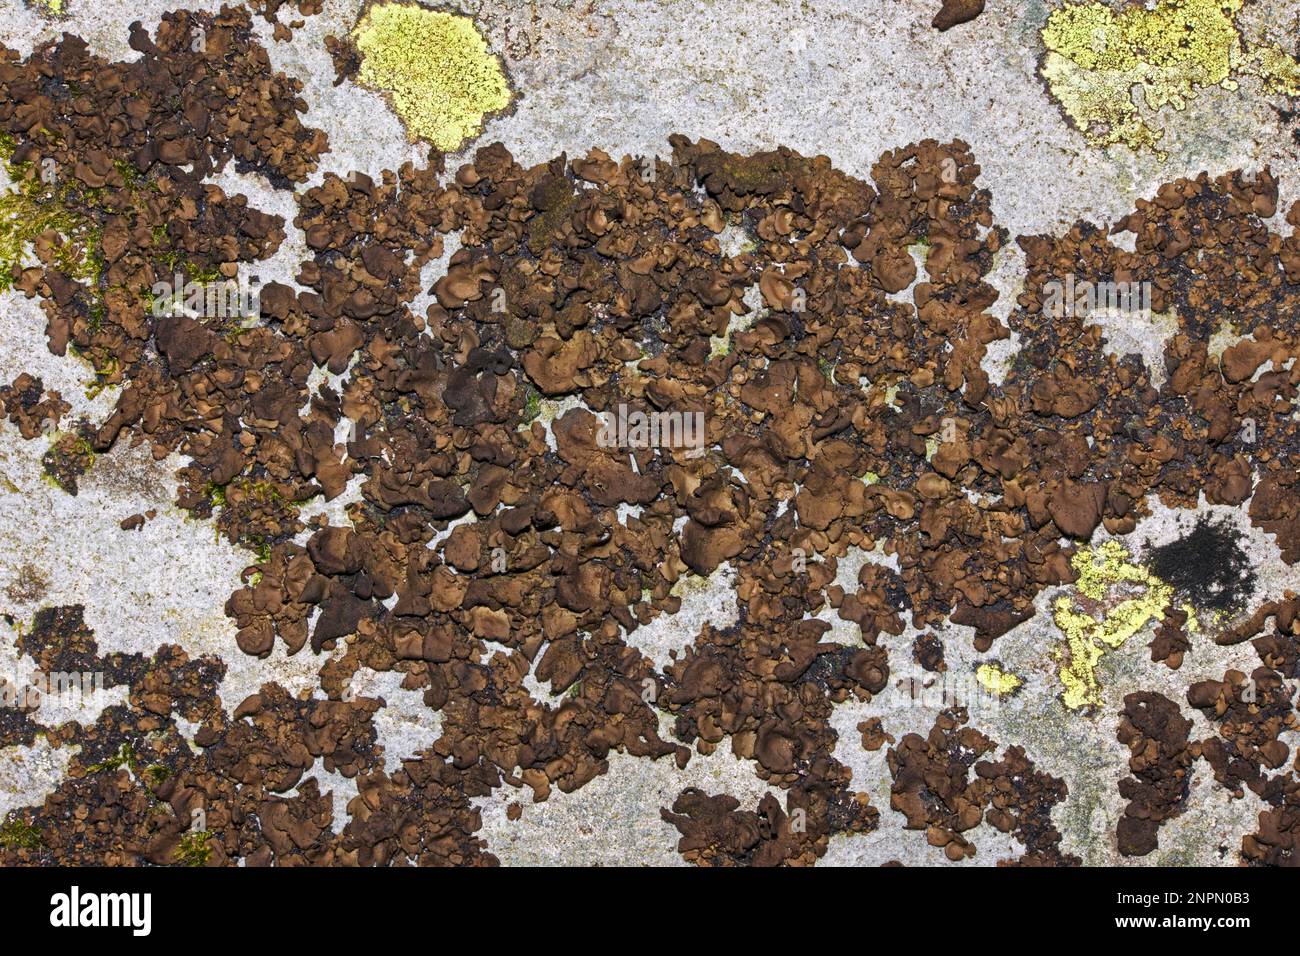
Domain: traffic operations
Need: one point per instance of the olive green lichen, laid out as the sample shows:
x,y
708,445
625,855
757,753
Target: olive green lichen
x,y
125,757
532,404
17,834
436,67
154,774
193,849
1096,56
37,212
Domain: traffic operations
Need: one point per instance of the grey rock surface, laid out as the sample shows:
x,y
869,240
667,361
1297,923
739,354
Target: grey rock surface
x,y
846,78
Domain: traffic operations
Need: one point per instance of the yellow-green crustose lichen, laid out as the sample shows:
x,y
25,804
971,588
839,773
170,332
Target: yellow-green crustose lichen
x,y
436,67
1096,56
997,681
1092,624
53,8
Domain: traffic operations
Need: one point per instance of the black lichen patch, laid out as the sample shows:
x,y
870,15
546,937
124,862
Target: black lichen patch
x,y
17,726
60,641
1287,117
1207,566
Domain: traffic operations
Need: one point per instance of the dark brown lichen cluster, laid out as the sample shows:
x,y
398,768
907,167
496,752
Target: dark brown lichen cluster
x,y
270,11
716,833
67,460
136,792
1277,841
941,786
1249,715
851,410
28,406
1171,641
956,12
131,145
1155,732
